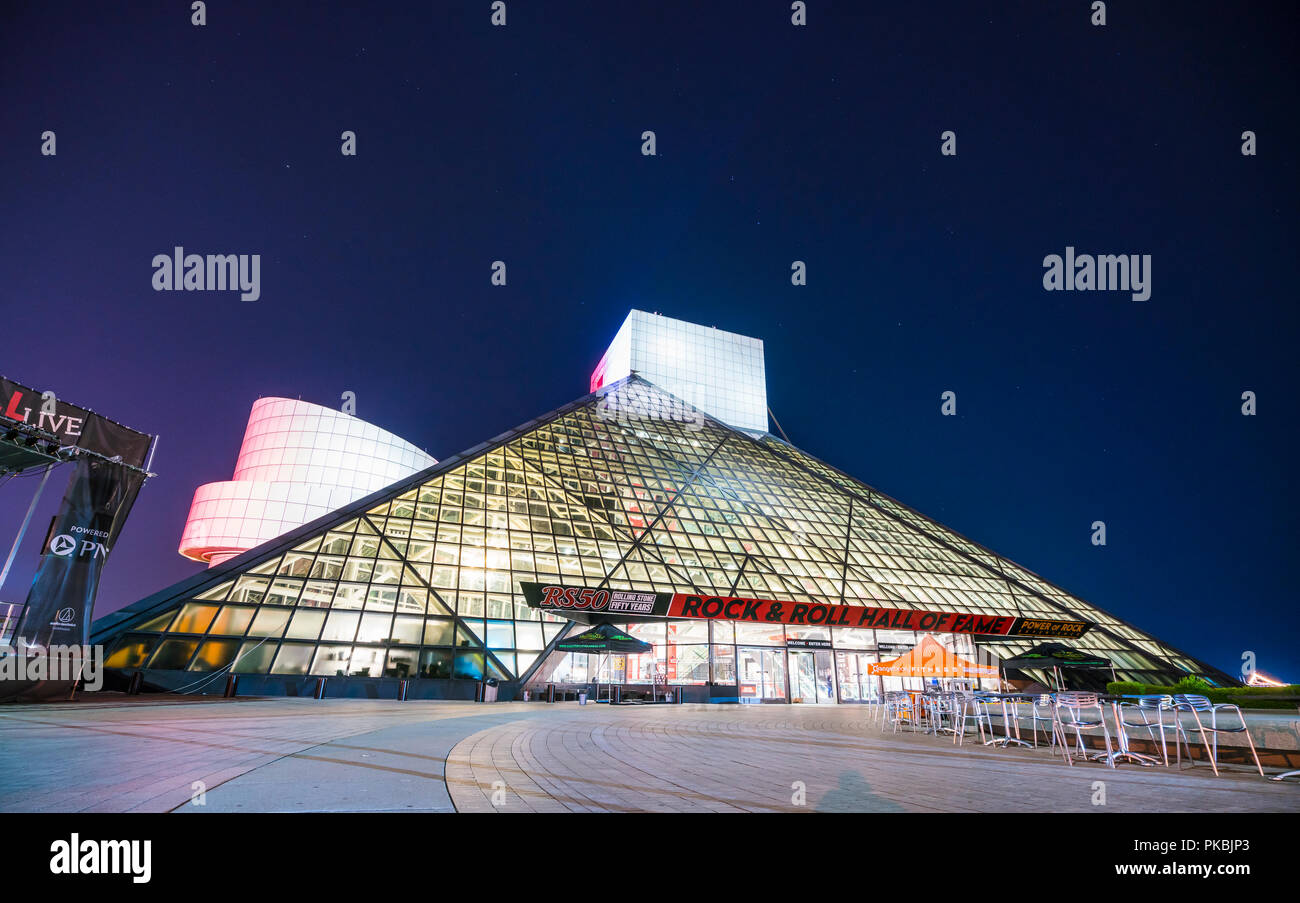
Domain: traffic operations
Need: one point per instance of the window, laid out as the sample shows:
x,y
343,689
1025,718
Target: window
x,y
435,663
131,652
724,664
173,655
215,655
194,618
254,657
293,659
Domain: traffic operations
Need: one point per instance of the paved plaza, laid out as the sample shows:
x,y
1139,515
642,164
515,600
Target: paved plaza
x,y
162,754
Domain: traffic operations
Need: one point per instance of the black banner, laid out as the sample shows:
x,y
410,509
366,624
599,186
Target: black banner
x,y
61,602
583,601
73,425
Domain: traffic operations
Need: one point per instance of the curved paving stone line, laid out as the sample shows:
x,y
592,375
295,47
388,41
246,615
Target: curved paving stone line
x,y
702,758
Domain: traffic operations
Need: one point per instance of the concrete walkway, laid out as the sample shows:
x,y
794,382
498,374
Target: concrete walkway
x,y
282,755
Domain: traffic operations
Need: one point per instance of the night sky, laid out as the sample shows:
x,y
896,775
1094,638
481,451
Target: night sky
x,y
775,143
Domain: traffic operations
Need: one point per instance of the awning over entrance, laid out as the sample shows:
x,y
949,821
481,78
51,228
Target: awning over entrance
x,y
930,658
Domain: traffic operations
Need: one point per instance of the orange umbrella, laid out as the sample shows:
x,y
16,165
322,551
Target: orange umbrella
x,y
930,658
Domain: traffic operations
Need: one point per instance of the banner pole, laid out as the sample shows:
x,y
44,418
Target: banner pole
x,y
22,531
153,447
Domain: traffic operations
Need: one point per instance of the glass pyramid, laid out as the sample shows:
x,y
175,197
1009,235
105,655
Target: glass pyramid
x,y
626,488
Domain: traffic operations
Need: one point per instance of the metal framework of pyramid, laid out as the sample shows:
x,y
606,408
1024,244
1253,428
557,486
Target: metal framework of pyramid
x,y
626,488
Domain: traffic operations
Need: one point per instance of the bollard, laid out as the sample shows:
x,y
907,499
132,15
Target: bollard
x,y
320,688
550,692
401,690
137,681
232,685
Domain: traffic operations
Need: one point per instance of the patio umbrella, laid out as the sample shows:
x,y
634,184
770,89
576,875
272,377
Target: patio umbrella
x,y
1057,656
603,638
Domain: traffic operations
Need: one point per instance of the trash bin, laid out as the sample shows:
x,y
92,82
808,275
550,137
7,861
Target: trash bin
x,y
582,697
490,690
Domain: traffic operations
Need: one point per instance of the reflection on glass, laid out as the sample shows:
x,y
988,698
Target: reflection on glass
x,y
215,655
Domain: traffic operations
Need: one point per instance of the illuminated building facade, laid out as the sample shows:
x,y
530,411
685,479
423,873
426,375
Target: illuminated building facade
x,y
711,370
425,580
298,461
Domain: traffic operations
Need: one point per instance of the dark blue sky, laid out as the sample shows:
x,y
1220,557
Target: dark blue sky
x,y
775,143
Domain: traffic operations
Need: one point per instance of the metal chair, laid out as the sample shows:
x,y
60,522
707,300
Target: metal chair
x,y
1147,708
1081,712
1196,705
941,713
977,709
1042,710
898,710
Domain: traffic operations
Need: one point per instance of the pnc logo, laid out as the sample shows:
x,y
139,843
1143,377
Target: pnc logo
x,y
63,544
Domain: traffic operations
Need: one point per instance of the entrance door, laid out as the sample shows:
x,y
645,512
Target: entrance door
x,y
856,684
762,673
811,677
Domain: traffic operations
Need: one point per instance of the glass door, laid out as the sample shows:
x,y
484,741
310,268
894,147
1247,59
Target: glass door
x,y
803,677
812,677
856,684
762,673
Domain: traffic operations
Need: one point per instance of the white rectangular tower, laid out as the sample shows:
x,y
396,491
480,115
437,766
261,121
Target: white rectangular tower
x,y
719,372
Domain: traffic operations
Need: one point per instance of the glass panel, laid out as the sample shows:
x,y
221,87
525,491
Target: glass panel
x,y
687,664
500,635
215,655
254,657
332,660
341,625
525,661
306,624
270,621
854,638
407,630
131,652
381,598
367,661
688,631
350,596
438,632
158,623
317,594
807,633
724,665
402,663
374,628
528,635
284,591
173,655
233,620
650,631
468,635
250,590
194,618
293,659
760,634
435,663
762,673
217,592
469,666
